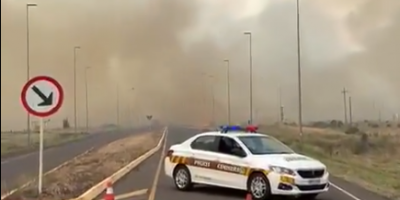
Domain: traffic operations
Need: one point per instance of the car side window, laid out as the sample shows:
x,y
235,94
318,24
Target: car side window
x,y
229,146
205,143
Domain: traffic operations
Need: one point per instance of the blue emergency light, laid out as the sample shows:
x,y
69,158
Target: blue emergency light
x,y
226,129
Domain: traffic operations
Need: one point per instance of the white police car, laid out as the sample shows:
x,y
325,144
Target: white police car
x,y
235,158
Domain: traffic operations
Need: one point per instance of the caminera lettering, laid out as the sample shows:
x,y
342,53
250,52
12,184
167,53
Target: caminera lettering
x,y
229,168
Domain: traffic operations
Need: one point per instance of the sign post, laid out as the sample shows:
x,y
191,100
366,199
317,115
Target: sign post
x,y
42,96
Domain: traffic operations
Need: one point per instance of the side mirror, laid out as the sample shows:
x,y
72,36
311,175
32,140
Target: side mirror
x,y
239,152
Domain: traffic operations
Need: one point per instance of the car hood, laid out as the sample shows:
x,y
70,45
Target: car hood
x,y
292,161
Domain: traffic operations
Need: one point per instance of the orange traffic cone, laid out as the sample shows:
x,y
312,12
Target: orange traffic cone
x,y
109,191
248,196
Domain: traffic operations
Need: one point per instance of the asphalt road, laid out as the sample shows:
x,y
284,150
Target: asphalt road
x,y
143,178
21,168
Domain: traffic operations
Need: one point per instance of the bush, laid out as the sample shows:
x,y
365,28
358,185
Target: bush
x,y
65,124
362,146
352,130
336,124
373,125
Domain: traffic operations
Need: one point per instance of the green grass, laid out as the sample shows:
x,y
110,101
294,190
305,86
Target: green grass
x,y
375,167
17,142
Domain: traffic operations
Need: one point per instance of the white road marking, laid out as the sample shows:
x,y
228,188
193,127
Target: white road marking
x,y
345,192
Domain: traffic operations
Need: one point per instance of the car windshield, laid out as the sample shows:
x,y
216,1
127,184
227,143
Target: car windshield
x,y
259,145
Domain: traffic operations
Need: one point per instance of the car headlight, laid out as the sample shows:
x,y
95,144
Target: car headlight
x,y
282,170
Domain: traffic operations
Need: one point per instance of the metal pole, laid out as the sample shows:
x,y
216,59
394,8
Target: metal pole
x,y
299,69
75,97
213,99
350,111
344,92
28,116
87,99
40,178
132,105
118,104
280,105
250,75
228,80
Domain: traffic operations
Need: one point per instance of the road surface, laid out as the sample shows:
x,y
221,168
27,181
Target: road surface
x,y
20,168
165,190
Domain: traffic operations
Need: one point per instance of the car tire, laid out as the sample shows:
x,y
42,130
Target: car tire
x,y
182,178
308,197
259,177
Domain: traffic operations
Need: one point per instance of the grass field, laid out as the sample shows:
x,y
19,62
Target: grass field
x,y
372,161
12,143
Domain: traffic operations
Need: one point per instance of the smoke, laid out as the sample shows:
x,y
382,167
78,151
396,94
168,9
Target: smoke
x,y
168,50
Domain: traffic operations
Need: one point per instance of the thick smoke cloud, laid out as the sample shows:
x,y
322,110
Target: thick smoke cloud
x,y
167,50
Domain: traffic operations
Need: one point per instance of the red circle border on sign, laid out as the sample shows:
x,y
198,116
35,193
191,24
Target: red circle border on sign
x,y
55,108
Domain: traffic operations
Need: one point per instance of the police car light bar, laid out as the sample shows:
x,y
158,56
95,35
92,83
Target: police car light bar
x,y
249,128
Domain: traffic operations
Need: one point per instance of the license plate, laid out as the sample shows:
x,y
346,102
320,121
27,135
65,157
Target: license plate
x,y
314,181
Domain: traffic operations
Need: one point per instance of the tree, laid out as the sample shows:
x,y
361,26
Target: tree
x,y
65,123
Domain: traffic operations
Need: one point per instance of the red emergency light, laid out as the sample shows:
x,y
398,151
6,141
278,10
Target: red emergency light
x,y
251,128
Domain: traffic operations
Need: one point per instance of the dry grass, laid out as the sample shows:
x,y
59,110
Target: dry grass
x,y
87,170
14,143
372,161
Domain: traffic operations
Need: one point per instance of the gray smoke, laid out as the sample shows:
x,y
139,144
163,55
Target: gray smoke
x,y
158,48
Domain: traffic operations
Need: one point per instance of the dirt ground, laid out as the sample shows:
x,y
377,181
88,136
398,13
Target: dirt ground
x,y
83,173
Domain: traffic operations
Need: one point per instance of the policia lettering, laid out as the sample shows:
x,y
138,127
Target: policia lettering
x,y
236,169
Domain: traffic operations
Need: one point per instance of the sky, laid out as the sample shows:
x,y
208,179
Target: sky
x,y
172,52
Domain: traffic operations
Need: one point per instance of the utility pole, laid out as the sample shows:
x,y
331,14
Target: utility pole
x,y
350,111
344,92
299,73
281,108
228,83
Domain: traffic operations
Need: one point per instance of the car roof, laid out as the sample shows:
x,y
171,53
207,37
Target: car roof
x,y
233,134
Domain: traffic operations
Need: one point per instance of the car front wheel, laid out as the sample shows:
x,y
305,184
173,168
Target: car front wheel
x,y
182,178
259,187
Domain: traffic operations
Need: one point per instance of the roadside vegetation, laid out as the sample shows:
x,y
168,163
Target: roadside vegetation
x,y
365,155
14,143
17,143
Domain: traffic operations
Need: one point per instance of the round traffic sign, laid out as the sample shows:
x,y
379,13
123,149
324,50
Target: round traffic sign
x,y
42,96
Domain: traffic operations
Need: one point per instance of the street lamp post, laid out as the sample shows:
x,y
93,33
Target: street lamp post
x,y
75,97
28,116
251,75
132,105
213,98
299,68
228,88
118,105
87,98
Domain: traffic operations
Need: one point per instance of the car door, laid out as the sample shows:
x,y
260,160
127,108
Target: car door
x,y
232,167
203,158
